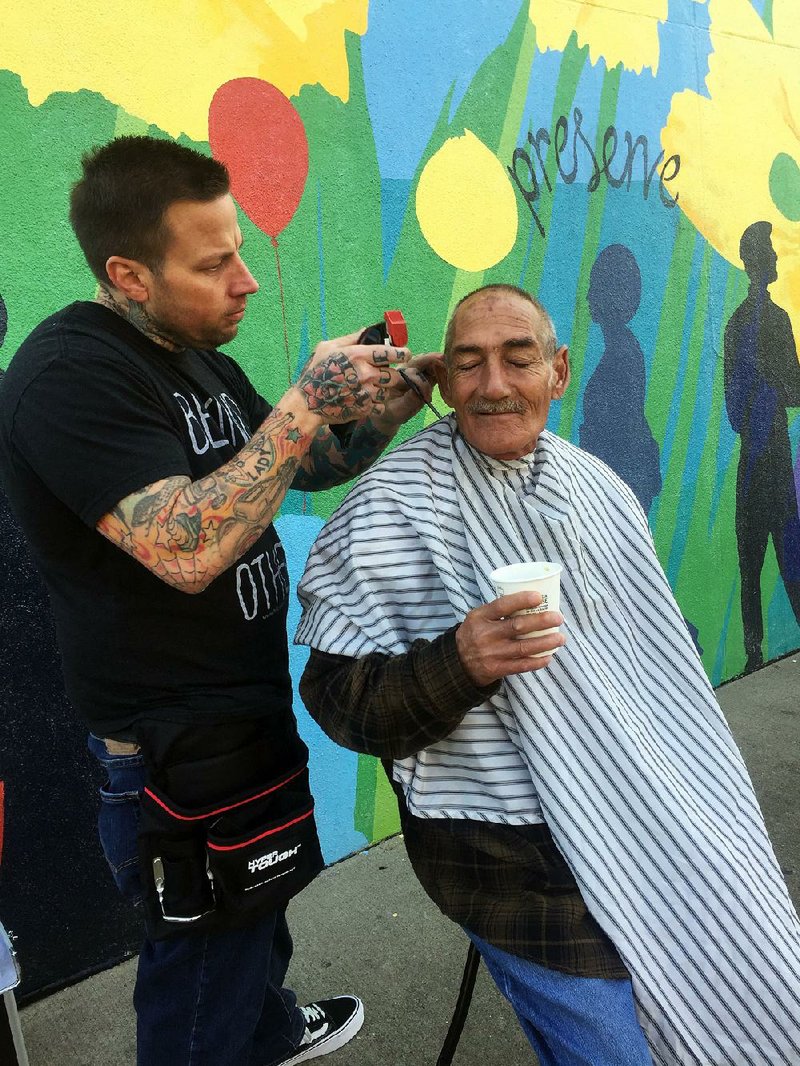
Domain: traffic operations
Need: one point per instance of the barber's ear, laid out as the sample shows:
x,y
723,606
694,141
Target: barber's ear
x,y
129,277
561,373
440,372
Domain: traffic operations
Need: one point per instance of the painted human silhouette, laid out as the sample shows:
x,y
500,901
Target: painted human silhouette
x,y
762,379
614,425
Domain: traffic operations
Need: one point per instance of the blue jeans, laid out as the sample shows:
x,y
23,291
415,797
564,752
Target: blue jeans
x,y
212,999
569,1020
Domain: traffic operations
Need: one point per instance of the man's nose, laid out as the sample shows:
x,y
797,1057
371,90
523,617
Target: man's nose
x,y
494,384
244,284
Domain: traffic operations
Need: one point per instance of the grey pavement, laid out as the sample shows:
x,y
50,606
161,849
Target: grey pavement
x,y
365,926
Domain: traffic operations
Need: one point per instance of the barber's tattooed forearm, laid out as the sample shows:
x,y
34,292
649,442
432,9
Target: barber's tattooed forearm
x,y
188,532
327,463
333,390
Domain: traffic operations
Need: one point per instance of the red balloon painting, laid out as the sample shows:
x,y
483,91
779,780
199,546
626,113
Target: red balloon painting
x,y
257,133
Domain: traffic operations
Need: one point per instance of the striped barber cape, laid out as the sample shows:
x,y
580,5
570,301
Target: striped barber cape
x,y
618,744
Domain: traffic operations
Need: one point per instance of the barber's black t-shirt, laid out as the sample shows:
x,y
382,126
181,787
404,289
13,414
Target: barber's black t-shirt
x,y
91,411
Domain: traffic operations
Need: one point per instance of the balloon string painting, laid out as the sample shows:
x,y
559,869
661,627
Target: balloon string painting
x,y
257,133
283,308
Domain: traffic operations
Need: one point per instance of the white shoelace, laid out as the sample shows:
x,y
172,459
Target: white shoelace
x,y
312,1013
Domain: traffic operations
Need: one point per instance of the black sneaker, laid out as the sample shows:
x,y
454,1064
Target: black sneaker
x,y
329,1025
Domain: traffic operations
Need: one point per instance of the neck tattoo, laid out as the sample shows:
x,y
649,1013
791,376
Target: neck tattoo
x,y
138,316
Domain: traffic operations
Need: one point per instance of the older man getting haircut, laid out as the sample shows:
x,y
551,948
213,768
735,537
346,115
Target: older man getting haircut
x,y
584,814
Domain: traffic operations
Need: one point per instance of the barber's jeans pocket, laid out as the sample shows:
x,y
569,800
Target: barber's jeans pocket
x,y
265,855
118,825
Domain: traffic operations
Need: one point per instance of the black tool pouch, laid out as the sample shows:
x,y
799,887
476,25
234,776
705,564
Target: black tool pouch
x,y
218,866
268,847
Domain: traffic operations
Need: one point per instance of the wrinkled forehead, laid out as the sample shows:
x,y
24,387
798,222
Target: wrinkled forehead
x,y
498,310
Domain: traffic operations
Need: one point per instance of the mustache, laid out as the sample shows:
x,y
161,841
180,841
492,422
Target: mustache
x,y
495,407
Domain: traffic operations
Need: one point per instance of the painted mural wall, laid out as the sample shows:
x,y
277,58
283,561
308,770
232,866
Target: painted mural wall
x,y
635,163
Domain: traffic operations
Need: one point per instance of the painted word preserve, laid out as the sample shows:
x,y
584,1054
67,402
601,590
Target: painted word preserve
x,y
637,170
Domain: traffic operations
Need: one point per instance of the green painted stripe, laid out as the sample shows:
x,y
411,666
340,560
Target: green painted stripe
x,y
671,493
375,814
664,370
767,16
387,816
366,783
518,92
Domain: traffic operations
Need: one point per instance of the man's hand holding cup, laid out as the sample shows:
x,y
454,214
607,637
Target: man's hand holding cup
x,y
510,635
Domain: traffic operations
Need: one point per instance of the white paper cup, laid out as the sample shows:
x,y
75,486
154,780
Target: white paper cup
x,y
531,577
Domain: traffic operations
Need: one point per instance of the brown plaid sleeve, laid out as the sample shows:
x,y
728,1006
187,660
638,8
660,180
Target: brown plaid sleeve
x,y
391,705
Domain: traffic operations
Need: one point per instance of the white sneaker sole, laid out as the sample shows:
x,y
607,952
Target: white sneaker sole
x,y
333,1041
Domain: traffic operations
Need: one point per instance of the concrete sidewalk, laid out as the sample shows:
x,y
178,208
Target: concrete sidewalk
x,y
365,926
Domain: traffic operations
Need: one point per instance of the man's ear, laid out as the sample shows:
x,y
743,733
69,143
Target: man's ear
x,y
440,372
129,277
561,373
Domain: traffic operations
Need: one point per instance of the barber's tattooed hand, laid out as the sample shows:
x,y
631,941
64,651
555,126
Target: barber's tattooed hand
x,y
189,532
345,381
401,399
328,462
334,390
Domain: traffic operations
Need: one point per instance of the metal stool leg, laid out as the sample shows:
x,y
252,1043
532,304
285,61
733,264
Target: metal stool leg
x,y
462,1007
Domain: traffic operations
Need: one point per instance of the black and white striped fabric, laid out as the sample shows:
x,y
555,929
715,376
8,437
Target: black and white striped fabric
x,y
618,744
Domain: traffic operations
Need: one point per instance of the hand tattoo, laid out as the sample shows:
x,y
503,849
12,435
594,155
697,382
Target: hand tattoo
x,y
333,389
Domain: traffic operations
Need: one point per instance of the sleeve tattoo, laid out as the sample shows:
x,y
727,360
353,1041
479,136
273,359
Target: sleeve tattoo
x,y
188,532
327,463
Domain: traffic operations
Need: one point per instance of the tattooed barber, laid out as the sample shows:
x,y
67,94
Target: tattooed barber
x,y
146,472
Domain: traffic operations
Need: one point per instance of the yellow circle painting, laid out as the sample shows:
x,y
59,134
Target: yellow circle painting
x,y
466,206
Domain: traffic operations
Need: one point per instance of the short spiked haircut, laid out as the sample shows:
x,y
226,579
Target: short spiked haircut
x,y
117,207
